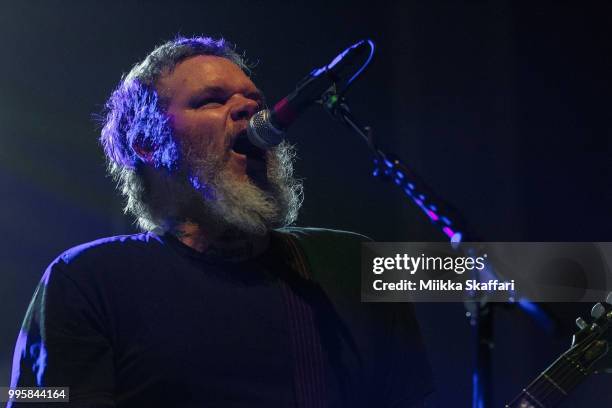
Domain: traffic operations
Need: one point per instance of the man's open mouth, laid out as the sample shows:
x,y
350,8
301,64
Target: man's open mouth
x,y
256,167
242,145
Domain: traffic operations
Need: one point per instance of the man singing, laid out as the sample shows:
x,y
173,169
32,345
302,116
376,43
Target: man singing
x,y
218,302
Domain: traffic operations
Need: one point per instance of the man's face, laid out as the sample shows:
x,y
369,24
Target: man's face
x,y
210,100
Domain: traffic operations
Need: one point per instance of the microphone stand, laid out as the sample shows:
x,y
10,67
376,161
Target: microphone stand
x,y
451,225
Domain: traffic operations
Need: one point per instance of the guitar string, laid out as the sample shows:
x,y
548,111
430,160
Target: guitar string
x,y
546,383
532,391
560,365
563,363
542,381
544,392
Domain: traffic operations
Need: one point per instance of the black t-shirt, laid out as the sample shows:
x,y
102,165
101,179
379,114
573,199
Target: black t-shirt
x,y
143,320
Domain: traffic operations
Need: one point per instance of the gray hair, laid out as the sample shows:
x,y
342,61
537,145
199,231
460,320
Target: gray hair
x,y
135,113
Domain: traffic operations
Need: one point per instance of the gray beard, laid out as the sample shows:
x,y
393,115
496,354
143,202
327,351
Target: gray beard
x,y
210,196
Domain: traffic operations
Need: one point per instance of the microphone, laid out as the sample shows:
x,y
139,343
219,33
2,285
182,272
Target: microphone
x,y
267,127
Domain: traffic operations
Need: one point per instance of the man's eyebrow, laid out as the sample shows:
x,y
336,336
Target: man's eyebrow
x,y
210,90
215,90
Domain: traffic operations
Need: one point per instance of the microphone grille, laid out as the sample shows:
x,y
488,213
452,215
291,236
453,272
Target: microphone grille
x,y
262,132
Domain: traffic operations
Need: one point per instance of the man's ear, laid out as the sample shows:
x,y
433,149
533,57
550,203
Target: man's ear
x,y
144,150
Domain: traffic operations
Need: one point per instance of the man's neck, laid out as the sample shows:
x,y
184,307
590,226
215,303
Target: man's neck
x,y
227,244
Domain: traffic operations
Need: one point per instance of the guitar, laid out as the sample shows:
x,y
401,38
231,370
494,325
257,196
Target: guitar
x,y
588,346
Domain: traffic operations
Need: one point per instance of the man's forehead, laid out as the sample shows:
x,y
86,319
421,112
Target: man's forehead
x,y
201,71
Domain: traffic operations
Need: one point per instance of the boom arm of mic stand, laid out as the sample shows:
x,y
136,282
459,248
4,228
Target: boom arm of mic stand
x,y
391,167
447,221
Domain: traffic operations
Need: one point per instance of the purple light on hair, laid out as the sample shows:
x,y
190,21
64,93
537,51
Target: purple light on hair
x,y
135,119
202,187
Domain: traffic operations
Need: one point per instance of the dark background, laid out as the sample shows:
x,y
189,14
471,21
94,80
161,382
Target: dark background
x,y
502,106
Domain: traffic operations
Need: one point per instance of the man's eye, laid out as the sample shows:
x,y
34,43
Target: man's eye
x,y
208,103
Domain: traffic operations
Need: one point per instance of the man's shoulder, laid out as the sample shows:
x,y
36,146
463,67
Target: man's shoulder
x,y
109,247
107,256
88,271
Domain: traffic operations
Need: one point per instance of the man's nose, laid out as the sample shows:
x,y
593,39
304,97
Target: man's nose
x,y
243,108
